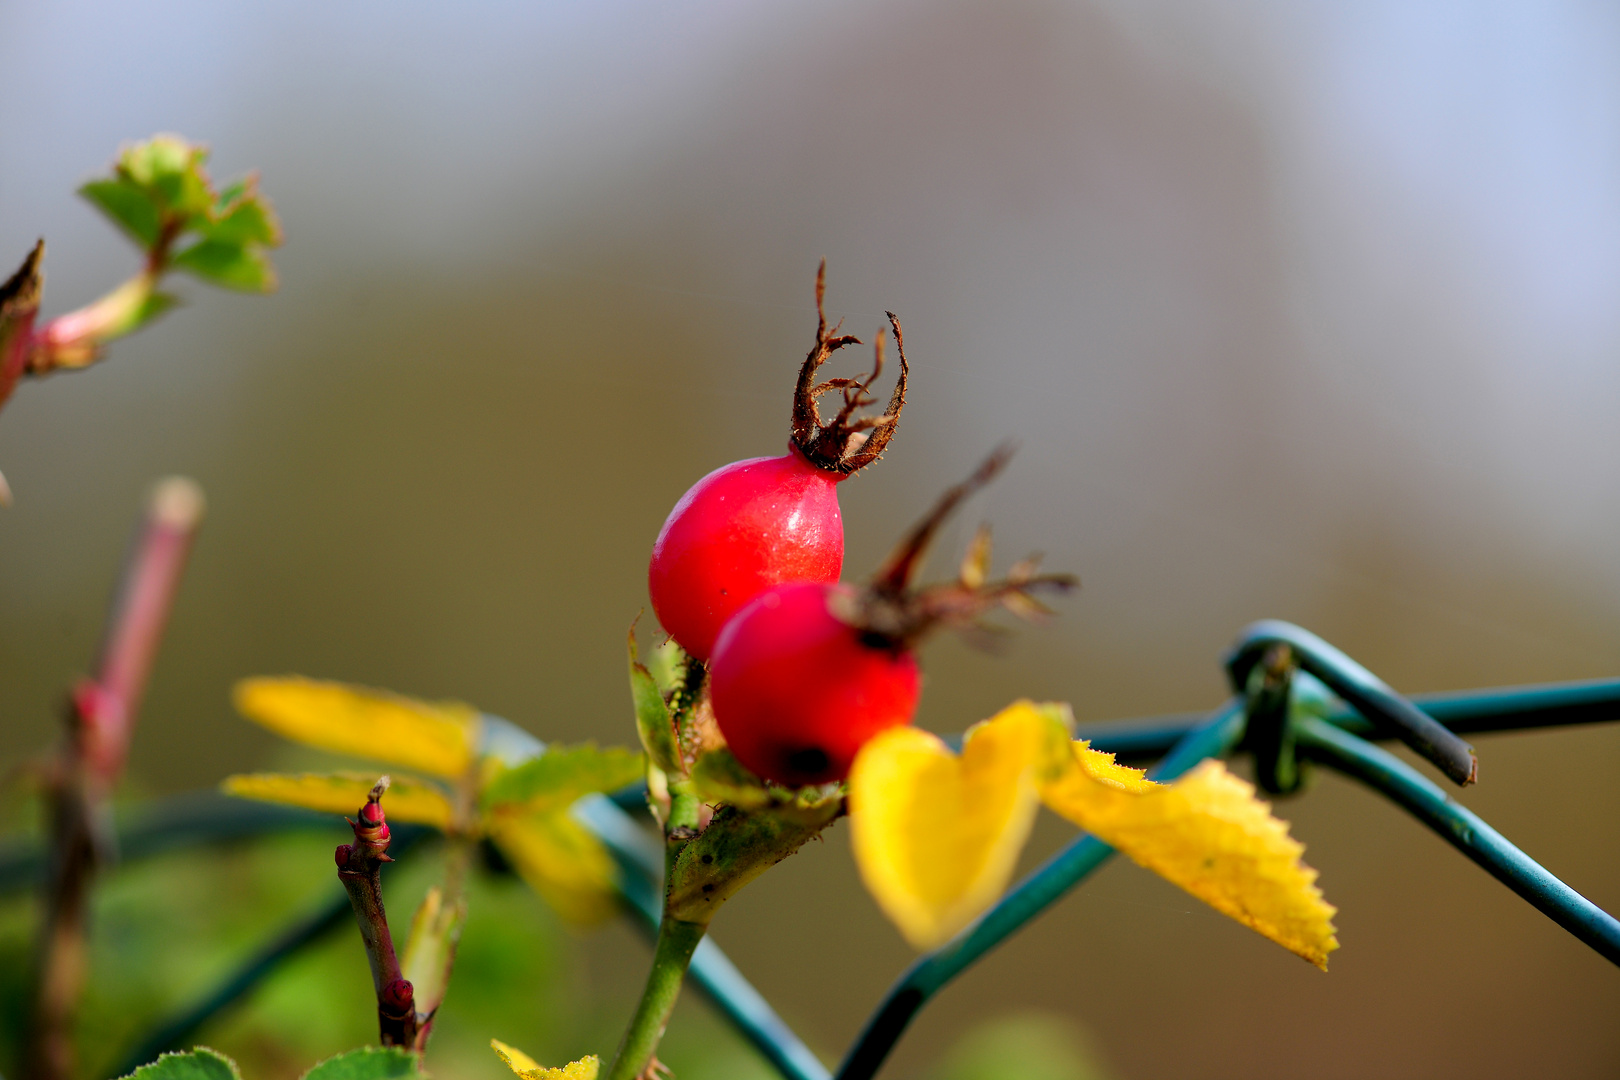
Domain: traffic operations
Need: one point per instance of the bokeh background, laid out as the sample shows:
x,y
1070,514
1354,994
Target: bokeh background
x,y
1297,310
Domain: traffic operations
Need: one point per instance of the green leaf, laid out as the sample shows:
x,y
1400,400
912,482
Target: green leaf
x,y
228,263
198,1064
720,778
129,205
171,169
243,216
559,777
736,848
160,192
654,723
155,304
369,1063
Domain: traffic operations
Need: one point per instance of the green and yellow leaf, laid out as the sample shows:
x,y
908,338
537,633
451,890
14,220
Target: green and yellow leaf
x,y
430,950
408,801
936,835
525,1066
559,777
562,861
1208,834
432,737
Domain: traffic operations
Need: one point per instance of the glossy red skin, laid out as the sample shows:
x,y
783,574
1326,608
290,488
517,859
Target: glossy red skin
x,y
737,532
797,692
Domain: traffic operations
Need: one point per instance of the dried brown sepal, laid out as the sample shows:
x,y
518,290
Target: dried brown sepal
x,y
892,610
894,577
846,443
19,305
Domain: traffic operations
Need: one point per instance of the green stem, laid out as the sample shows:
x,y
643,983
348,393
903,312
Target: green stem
x,y
676,942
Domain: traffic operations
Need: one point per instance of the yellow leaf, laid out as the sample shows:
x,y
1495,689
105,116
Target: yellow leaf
x,y
525,1066
1208,834
562,862
408,801
433,737
937,836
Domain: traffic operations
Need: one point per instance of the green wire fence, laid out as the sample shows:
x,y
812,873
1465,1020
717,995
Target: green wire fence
x,y
1296,699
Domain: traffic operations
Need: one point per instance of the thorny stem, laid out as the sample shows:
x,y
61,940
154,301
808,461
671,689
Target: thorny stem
x,y
90,760
360,870
677,941
703,869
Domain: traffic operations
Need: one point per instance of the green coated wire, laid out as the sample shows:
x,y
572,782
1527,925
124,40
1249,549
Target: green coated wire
x,y
1040,890
1423,799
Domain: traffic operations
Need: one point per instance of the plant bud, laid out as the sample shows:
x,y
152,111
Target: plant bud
x,y
399,997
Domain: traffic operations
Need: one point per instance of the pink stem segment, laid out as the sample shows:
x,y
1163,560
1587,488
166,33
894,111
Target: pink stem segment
x,y
91,759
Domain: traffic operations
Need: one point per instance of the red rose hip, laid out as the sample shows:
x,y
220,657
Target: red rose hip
x,y
755,524
797,691
739,531
808,673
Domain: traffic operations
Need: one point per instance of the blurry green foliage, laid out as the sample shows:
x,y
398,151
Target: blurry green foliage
x,y
1023,1046
167,929
160,192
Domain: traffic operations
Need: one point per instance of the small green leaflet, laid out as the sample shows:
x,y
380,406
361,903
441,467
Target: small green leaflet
x,y
231,265
200,1064
369,1063
129,206
654,723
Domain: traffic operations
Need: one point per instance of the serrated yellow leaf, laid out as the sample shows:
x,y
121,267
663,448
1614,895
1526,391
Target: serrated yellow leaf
x,y
936,836
561,861
408,800
525,1066
1208,834
433,737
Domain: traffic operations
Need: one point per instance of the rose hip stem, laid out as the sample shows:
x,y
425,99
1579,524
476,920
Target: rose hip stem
x,y
100,719
360,869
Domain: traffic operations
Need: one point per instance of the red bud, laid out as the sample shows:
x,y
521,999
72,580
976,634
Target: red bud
x,y
399,996
372,813
341,855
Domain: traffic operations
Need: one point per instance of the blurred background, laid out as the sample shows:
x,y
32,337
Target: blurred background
x,y
1297,311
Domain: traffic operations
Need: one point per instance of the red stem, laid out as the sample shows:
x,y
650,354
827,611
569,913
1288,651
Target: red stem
x,y
360,869
91,760
108,705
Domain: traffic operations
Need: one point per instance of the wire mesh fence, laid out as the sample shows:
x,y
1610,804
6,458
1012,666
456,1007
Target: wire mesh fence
x,y
1297,701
